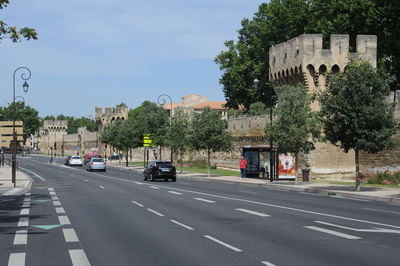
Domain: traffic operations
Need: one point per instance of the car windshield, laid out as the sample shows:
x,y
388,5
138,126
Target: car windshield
x,y
97,160
76,157
164,164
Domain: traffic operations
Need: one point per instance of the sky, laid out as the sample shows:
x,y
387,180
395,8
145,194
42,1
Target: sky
x,y
97,53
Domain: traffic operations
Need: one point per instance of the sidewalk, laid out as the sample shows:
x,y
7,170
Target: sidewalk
x,y
24,182
390,195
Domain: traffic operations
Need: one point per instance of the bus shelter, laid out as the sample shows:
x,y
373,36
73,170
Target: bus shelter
x,y
258,162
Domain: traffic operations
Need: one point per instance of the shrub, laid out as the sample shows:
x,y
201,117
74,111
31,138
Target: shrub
x,y
385,178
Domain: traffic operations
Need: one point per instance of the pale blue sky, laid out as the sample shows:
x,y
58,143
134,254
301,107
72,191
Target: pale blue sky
x,y
100,53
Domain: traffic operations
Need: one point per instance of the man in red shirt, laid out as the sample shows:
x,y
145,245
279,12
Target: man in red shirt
x,y
243,165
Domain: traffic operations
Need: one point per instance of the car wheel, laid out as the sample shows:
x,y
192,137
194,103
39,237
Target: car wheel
x,y
166,179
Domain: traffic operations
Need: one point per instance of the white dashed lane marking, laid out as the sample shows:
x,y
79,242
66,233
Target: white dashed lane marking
x,y
204,200
78,257
267,263
137,203
21,237
253,212
181,224
24,211
174,192
223,243
70,235
56,203
101,187
60,210
155,212
16,259
23,221
64,220
154,187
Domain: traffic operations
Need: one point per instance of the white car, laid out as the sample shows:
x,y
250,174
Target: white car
x,y
75,160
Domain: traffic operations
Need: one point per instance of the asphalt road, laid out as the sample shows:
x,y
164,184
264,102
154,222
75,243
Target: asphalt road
x,y
75,217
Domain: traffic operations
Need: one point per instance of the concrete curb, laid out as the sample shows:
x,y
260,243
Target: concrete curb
x,y
19,191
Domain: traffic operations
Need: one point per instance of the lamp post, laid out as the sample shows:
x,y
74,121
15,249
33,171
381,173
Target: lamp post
x,y
170,113
272,98
25,76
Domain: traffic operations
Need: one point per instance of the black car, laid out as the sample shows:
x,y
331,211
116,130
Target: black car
x,y
160,170
66,162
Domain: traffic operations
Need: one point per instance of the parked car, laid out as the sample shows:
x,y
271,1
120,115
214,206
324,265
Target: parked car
x,y
160,170
66,162
96,164
75,160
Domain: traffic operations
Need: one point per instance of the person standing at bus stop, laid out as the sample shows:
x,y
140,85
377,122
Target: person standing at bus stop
x,y
243,166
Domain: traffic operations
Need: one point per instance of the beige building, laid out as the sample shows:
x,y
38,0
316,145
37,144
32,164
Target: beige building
x,y
194,103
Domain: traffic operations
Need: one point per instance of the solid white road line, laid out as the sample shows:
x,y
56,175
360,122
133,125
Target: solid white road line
x,y
56,203
16,259
155,212
63,220
154,187
381,210
363,200
267,263
174,192
139,183
21,237
60,210
181,224
253,212
332,232
312,194
205,200
23,221
137,203
70,235
223,243
24,211
101,187
78,257
33,173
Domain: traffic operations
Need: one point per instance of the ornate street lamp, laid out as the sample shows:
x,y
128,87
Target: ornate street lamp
x,y
25,76
161,101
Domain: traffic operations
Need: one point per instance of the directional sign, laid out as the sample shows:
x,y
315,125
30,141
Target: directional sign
x,y
147,141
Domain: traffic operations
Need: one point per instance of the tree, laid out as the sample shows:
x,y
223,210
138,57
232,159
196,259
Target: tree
x,y
13,33
354,112
27,114
257,108
179,134
296,125
210,133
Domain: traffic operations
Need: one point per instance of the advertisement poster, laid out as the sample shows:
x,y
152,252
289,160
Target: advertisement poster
x,y
287,166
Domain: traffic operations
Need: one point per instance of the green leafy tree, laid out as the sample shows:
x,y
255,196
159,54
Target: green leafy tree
x,y
354,112
11,32
179,134
210,134
257,108
296,127
27,114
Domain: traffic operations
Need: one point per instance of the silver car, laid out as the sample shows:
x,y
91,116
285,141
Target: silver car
x,y
96,164
75,160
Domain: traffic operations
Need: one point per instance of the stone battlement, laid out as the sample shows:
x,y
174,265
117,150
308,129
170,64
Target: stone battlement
x,y
291,61
55,125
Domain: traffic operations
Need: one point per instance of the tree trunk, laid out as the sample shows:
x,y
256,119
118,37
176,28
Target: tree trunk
x,y
209,162
160,152
126,158
296,155
358,179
